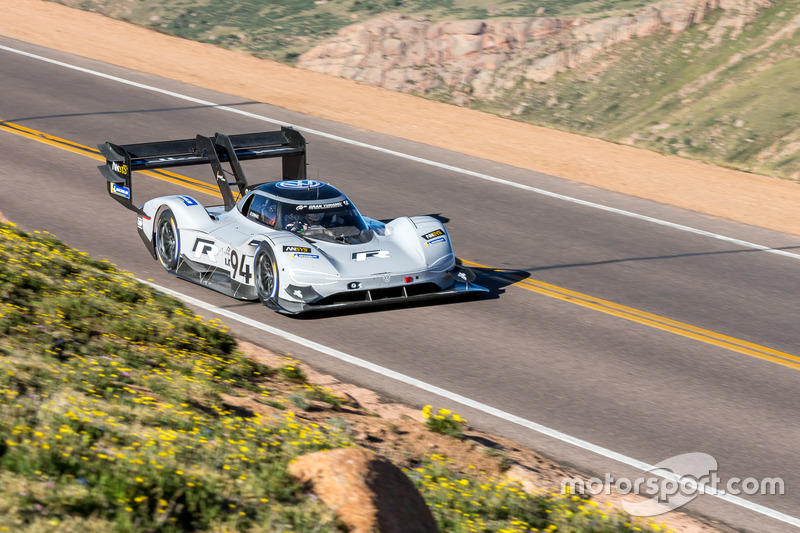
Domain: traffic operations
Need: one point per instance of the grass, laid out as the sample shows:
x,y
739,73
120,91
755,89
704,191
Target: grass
x,y
466,504
113,408
282,30
120,413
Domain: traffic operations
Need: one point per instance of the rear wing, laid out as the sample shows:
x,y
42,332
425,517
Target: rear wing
x,y
122,160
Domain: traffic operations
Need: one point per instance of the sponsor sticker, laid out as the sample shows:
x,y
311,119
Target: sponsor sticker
x,y
317,207
354,285
119,169
434,241
139,222
433,235
299,184
188,200
119,190
306,256
205,247
302,249
362,256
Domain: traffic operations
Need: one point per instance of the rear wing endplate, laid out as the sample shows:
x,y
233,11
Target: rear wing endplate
x,y
122,160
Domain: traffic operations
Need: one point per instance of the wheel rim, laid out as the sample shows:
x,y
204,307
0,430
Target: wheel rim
x,y
167,243
266,276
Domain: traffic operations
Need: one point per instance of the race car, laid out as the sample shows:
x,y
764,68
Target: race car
x,y
295,244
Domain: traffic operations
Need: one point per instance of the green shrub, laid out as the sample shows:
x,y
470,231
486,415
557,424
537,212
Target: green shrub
x,y
445,422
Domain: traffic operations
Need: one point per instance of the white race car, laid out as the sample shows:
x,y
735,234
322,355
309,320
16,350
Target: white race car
x,y
296,244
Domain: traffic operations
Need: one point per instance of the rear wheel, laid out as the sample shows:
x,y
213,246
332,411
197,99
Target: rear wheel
x,y
266,276
168,244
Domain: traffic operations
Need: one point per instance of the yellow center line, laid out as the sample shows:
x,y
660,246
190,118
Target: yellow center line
x,y
648,319
540,287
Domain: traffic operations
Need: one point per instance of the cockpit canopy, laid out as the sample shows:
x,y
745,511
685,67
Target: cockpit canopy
x,y
309,208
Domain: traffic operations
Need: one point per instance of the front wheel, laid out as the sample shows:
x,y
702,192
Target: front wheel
x,y
266,276
168,244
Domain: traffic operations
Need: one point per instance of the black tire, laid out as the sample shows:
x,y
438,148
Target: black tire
x,y
265,270
167,240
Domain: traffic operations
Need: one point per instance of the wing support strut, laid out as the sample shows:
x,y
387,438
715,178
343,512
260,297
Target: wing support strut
x,y
123,160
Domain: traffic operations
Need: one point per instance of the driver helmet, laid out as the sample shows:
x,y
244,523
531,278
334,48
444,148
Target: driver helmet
x,y
269,213
314,218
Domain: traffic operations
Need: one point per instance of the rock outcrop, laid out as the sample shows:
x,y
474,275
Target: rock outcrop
x,y
482,59
366,491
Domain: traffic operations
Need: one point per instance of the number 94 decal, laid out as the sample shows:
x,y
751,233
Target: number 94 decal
x,y
240,267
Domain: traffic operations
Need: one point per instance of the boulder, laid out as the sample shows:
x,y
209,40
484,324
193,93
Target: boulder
x,y
365,490
465,45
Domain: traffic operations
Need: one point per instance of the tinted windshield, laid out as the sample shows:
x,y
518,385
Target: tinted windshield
x,y
262,209
333,221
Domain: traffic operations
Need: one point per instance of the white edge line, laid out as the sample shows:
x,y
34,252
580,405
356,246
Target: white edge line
x,y
443,166
473,404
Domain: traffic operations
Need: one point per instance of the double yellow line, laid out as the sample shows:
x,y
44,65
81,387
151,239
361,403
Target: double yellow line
x,y
540,287
93,153
643,317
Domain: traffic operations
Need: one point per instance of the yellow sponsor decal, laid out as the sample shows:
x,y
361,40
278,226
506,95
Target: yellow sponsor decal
x,y
121,169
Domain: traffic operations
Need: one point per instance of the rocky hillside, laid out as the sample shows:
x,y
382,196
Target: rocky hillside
x,y
281,30
700,78
485,58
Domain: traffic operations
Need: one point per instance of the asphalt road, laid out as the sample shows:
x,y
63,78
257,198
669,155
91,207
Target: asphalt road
x,y
609,382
